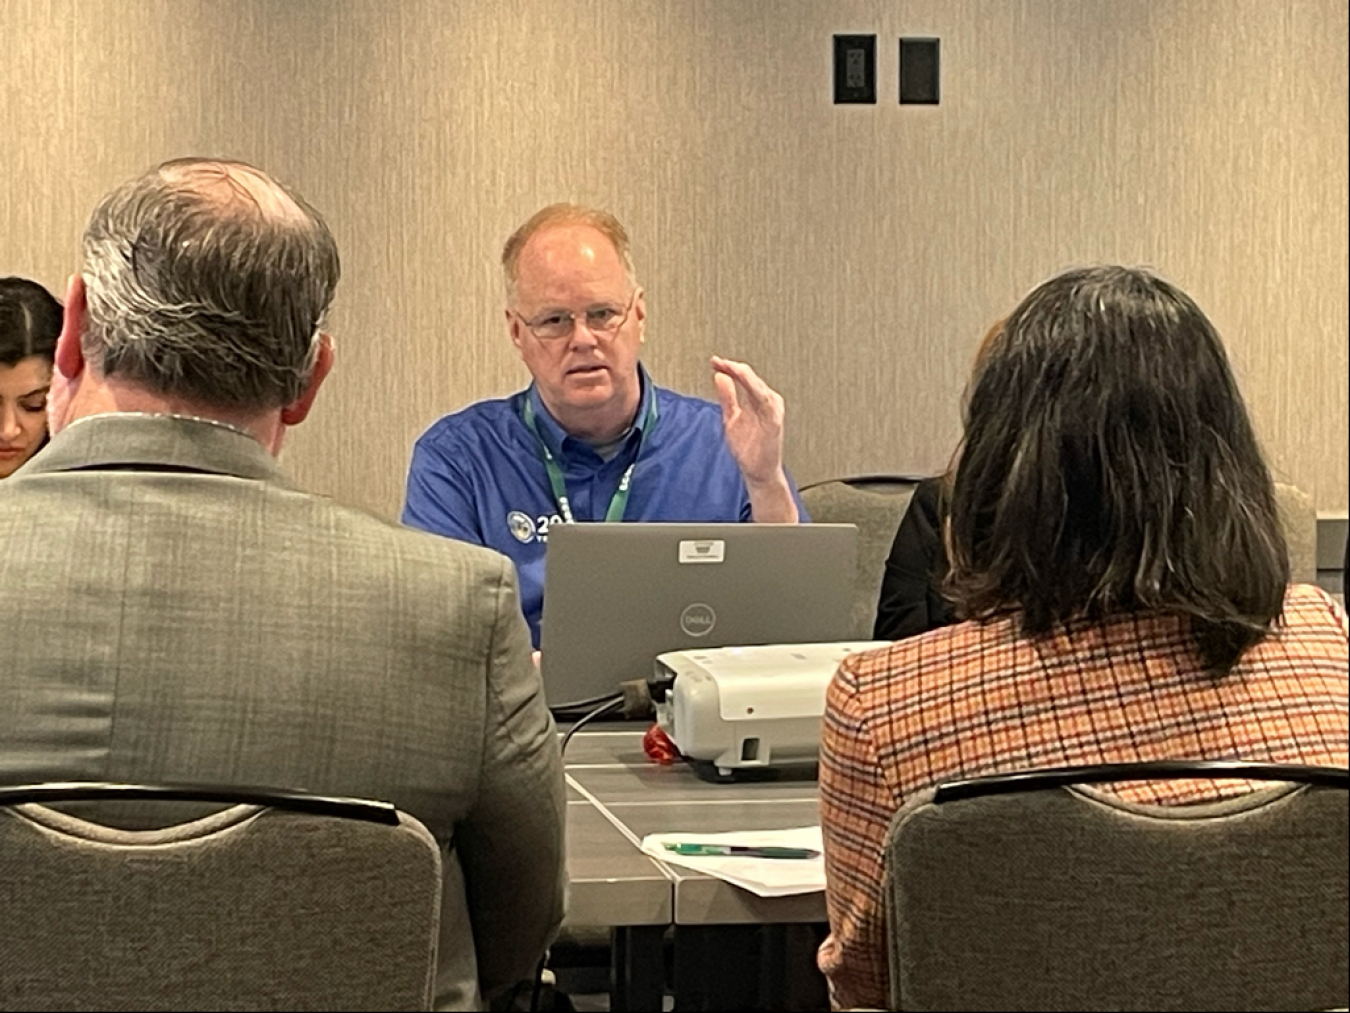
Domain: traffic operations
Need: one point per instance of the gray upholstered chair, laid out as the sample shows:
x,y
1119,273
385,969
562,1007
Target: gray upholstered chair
x,y
1299,518
875,504
250,907
1065,898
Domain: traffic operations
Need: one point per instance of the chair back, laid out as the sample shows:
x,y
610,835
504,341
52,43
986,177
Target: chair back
x,y
1045,896
279,902
875,503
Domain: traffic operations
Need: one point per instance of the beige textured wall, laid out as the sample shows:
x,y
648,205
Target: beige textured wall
x,y
854,254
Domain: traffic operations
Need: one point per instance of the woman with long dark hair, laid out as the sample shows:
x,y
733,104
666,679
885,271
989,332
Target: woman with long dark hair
x,y
1114,542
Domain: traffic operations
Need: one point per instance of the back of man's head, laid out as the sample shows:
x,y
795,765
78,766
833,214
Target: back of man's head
x,y
207,282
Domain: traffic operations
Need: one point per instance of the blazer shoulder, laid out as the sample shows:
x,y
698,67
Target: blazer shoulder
x,y
409,543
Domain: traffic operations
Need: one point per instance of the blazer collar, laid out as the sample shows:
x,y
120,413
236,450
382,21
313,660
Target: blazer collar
x,y
125,440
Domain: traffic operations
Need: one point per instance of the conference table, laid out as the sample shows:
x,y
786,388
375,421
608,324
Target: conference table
x,y
731,948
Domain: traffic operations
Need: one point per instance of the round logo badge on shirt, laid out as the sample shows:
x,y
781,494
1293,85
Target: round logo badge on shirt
x,y
521,526
698,619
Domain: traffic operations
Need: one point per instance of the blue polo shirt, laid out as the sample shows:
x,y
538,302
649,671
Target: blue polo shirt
x,y
478,475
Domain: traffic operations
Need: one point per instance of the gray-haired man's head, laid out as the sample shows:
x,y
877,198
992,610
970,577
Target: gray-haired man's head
x,y
207,281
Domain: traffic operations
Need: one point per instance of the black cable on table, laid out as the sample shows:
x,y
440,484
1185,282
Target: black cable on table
x,y
562,710
610,703
538,982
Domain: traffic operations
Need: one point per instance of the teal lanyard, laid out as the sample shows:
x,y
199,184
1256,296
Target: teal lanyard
x,y
619,501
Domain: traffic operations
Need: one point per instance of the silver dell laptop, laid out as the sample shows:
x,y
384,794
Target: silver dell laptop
x,y
617,595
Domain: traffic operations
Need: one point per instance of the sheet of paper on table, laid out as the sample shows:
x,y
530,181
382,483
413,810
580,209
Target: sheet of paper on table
x,y
766,877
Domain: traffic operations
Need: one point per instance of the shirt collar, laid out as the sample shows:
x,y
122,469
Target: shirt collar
x,y
556,438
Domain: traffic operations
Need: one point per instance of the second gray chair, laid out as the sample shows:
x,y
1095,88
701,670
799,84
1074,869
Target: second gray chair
x,y
875,504
248,908
1067,898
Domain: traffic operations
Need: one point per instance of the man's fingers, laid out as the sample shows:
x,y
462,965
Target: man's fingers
x,y
757,391
726,395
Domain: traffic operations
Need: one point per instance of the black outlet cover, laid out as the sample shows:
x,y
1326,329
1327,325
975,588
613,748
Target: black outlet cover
x,y
855,70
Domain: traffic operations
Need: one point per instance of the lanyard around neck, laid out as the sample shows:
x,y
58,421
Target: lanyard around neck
x,y
619,501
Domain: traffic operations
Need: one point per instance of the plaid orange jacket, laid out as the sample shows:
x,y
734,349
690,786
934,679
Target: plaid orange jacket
x,y
975,699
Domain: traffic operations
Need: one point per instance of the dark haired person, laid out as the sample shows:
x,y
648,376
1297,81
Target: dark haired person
x,y
177,610
911,600
30,321
1113,536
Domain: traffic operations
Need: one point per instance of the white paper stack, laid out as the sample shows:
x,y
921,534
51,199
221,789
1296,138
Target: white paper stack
x,y
766,877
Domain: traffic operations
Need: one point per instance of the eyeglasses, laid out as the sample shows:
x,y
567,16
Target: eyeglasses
x,y
604,320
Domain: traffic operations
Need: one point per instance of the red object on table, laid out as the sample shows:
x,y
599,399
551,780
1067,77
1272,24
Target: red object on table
x,y
658,747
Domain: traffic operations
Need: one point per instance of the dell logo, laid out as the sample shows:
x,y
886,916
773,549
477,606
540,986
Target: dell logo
x,y
698,619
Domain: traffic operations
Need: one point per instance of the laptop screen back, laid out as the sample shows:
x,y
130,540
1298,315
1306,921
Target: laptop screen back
x,y
617,595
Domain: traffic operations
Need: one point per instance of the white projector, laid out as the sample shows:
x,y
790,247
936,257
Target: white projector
x,y
734,710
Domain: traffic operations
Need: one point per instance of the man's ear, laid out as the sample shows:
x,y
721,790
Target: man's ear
x,y
513,326
294,413
68,376
69,353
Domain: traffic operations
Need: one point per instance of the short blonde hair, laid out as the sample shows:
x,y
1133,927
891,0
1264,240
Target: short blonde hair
x,y
555,216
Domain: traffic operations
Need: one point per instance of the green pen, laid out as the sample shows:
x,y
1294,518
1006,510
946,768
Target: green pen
x,y
741,850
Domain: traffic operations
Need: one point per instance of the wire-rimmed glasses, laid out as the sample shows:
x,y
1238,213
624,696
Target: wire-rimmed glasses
x,y
602,319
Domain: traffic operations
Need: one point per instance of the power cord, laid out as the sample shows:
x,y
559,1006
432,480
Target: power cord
x,y
611,703
566,710
606,704
538,983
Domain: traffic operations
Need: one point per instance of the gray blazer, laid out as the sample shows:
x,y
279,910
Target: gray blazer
x,y
173,609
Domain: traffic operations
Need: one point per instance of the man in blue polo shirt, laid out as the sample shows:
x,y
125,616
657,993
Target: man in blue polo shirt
x,y
592,438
